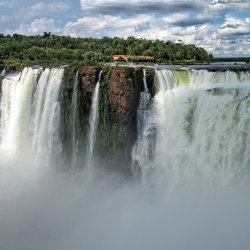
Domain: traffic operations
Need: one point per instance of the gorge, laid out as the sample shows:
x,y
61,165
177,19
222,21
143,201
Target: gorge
x,y
111,157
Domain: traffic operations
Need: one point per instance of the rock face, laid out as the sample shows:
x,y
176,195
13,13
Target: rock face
x,y
89,77
119,98
123,93
118,101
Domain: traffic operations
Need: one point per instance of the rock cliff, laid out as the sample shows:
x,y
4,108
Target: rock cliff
x,y
118,101
119,97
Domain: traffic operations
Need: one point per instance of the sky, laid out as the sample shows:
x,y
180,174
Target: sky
x,y
222,27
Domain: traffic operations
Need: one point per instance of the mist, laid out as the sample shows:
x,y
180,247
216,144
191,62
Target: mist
x,y
44,209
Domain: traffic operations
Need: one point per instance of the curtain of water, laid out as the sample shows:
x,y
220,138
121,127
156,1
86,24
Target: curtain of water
x,y
16,107
47,142
143,115
30,113
73,121
199,126
93,121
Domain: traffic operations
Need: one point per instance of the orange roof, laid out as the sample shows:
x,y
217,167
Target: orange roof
x,y
126,57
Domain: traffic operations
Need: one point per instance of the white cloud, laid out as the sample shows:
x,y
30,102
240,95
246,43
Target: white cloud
x,y
128,7
223,5
187,19
233,26
98,26
38,26
142,26
42,9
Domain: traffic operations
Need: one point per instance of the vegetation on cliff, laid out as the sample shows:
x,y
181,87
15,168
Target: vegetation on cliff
x,y
51,49
119,96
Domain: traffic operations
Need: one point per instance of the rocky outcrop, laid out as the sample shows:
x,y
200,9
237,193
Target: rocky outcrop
x,y
119,98
123,93
88,78
118,101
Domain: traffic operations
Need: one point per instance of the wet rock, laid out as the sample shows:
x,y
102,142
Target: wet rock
x,y
89,77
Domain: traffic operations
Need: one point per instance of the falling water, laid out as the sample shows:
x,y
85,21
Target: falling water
x,y
144,105
199,126
30,113
73,121
197,129
47,122
93,121
16,103
143,117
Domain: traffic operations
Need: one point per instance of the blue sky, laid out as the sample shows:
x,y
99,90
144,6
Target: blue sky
x,y
220,26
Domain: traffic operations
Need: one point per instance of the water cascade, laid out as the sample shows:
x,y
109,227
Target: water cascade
x,y
30,113
199,127
46,134
143,117
16,111
144,105
73,121
93,121
191,152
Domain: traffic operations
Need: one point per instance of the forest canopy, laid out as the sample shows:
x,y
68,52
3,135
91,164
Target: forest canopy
x,y
52,49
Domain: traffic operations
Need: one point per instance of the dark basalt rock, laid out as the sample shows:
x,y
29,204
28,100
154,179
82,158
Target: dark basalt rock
x,y
89,77
119,98
118,101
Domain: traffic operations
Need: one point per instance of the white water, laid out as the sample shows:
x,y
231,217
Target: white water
x,y
144,105
16,103
73,121
191,136
46,134
93,121
201,130
30,114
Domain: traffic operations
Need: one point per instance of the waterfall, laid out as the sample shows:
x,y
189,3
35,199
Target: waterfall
x,y
30,113
47,122
199,126
16,107
191,160
73,121
144,77
93,121
143,117
144,105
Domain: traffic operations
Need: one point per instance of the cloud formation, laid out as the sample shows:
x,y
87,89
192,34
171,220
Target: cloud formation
x,y
220,26
224,5
41,9
134,7
38,26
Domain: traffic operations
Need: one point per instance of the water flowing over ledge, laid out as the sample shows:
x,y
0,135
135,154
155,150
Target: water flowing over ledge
x,y
170,159
93,121
188,121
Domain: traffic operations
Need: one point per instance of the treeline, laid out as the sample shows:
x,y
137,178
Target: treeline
x,y
52,49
